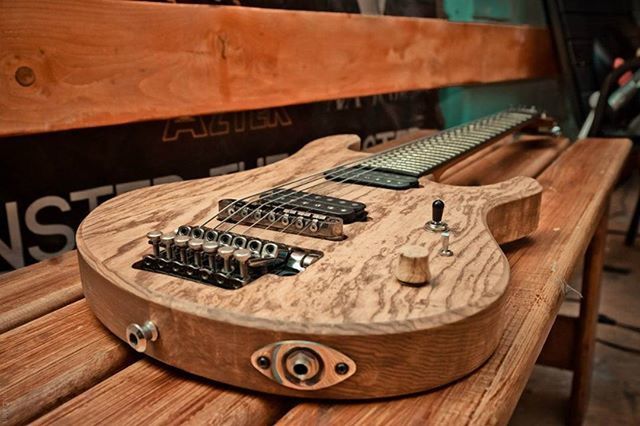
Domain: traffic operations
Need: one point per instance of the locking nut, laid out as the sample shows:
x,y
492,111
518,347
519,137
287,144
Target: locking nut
x,y
139,336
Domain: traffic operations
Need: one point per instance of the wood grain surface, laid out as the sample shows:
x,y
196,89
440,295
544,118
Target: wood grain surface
x,y
147,393
120,408
540,267
53,358
105,62
348,300
29,293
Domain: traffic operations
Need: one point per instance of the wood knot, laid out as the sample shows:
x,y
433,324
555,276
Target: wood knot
x,y
25,76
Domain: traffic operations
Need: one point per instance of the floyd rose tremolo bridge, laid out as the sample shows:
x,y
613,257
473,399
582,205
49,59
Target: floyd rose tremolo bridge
x,y
223,259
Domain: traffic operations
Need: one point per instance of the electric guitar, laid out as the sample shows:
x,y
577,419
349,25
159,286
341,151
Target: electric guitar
x,y
334,273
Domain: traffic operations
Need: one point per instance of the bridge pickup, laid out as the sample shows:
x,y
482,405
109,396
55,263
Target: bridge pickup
x,y
370,177
281,219
222,259
347,210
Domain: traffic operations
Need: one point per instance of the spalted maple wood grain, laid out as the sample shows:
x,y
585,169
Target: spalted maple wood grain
x,y
106,62
53,358
29,293
106,396
348,300
148,393
540,267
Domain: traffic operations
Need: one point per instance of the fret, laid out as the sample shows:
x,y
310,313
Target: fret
x,y
419,157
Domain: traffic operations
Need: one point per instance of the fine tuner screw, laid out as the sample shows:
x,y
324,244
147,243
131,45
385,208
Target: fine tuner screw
x,y
242,256
167,242
181,242
195,244
436,224
226,252
154,240
210,248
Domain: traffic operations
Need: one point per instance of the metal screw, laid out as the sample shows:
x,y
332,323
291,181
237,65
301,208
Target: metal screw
x,y
181,242
25,76
167,241
226,253
263,362
195,244
154,240
342,368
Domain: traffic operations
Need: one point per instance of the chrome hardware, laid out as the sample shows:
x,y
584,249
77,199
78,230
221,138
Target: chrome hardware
x,y
299,259
195,245
444,251
255,246
242,256
225,239
303,365
167,242
139,336
226,252
211,235
210,248
269,250
436,224
230,262
239,242
181,241
154,240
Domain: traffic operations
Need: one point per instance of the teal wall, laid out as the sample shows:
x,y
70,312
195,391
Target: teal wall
x,y
461,104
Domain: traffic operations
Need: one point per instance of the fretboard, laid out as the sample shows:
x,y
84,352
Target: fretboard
x,y
424,155
400,167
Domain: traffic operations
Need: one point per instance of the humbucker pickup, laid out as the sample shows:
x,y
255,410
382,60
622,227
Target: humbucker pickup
x,y
294,212
220,258
369,177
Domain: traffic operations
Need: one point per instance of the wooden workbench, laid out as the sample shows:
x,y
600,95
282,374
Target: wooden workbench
x,y
58,364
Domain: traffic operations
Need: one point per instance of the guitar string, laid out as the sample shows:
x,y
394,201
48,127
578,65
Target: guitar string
x,y
466,127
290,201
318,174
330,182
501,116
310,178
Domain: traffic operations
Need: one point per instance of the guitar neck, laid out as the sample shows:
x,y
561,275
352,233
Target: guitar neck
x,y
424,155
399,168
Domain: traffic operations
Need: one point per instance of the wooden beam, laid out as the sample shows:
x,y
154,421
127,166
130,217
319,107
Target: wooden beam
x,y
76,63
559,350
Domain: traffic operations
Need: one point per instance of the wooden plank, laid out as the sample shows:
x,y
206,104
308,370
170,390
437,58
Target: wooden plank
x,y
527,156
539,272
585,344
150,393
559,349
49,360
31,292
94,399
72,63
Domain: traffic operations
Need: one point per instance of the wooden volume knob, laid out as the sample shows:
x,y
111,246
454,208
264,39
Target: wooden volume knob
x,y
413,265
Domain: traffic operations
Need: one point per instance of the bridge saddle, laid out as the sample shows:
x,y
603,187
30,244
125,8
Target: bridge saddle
x,y
223,259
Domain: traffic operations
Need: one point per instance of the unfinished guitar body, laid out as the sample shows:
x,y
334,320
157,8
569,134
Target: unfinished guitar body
x,y
356,330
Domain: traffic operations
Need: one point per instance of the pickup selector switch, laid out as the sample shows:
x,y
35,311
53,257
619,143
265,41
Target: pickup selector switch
x,y
436,224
